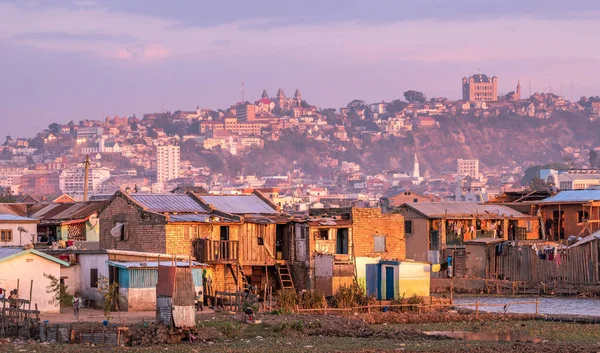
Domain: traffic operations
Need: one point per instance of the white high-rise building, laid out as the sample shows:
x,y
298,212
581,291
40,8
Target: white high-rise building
x,y
468,167
167,163
71,181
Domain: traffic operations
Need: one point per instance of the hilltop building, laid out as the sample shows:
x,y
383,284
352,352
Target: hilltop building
x,y
285,103
480,88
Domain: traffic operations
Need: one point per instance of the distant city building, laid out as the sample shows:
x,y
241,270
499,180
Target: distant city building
x,y
72,180
468,167
40,183
246,112
167,163
571,179
480,87
285,103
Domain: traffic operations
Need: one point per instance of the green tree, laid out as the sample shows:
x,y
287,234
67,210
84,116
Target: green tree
x,y
396,105
593,158
538,184
134,126
54,127
59,292
415,96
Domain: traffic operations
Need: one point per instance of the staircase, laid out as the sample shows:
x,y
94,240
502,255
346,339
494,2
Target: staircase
x,y
241,281
285,277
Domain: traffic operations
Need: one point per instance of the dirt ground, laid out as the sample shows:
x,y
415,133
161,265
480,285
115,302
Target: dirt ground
x,y
97,315
375,332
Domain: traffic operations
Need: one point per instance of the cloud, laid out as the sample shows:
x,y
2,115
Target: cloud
x,y
102,33
88,36
150,51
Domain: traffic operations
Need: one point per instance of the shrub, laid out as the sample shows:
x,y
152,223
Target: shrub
x,y
410,304
351,296
230,330
312,300
287,299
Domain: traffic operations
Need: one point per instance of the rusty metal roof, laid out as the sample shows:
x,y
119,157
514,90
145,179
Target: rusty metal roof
x,y
66,211
239,204
463,209
168,203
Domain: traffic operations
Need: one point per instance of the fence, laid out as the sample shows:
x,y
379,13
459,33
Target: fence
x,y
575,266
419,307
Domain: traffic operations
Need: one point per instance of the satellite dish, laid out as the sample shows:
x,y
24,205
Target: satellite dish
x,y
117,230
22,230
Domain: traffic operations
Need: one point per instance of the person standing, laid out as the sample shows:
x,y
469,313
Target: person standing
x,y
76,305
449,270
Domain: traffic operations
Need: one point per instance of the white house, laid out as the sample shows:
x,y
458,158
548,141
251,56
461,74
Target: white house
x,y
17,230
21,268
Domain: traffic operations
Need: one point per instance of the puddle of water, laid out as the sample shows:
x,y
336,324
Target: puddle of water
x,y
556,306
486,336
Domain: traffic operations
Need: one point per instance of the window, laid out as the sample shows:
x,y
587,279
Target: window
x,y
379,243
408,227
93,277
324,234
6,235
582,216
224,232
262,231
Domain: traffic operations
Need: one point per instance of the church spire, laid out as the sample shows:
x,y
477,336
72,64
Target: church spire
x,y
416,172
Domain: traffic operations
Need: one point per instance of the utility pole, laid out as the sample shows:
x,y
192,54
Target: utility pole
x,y
85,180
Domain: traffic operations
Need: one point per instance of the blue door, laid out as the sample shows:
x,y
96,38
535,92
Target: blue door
x,y
389,283
372,280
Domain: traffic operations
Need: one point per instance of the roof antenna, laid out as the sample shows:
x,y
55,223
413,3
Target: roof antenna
x,y
243,92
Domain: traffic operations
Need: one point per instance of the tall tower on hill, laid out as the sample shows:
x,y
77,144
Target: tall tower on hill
x,y
416,173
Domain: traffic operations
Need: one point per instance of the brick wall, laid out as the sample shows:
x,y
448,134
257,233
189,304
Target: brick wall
x,y
370,222
146,231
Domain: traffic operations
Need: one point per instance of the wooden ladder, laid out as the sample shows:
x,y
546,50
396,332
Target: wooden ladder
x,y
241,281
285,277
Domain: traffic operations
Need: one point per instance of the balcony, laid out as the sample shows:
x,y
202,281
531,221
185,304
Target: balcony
x,y
453,239
216,251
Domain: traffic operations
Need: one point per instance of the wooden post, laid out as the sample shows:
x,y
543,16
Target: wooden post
x,y
369,308
477,310
537,303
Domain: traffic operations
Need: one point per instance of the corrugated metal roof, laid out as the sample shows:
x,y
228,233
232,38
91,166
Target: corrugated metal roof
x,y
239,204
13,218
151,264
574,196
7,253
17,209
441,209
191,218
67,211
162,203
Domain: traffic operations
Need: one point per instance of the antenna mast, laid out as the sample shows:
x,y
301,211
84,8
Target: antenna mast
x,y
243,92
85,180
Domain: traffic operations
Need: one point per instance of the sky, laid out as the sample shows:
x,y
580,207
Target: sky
x,y
66,60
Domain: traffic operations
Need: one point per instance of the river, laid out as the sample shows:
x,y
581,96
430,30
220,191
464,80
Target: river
x,y
556,306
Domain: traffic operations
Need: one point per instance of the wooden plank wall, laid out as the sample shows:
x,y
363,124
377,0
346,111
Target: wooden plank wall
x,y
578,266
250,251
